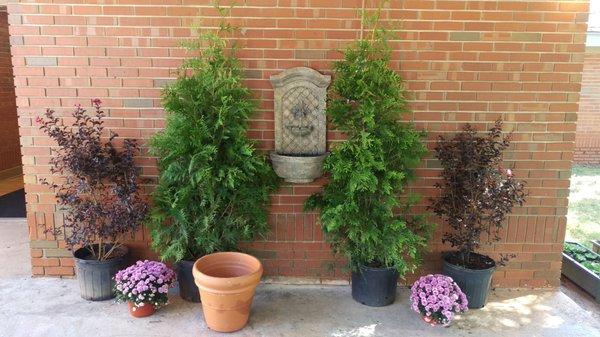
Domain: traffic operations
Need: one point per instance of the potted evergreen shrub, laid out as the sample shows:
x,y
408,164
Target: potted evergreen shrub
x,y
99,193
213,186
361,214
476,194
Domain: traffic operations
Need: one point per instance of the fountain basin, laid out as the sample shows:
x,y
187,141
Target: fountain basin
x,y
298,169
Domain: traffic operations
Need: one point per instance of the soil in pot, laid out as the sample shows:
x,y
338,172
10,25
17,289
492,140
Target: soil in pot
x,y
143,311
474,279
95,277
187,288
227,282
373,286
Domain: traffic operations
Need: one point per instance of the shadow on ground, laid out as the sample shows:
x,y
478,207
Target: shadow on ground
x,y
52,307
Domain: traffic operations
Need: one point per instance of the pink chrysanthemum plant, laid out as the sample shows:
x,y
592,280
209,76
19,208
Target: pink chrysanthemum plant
x,y
437,298
144,283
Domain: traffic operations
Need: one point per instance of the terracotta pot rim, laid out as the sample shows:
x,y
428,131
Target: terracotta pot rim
x,y
257,271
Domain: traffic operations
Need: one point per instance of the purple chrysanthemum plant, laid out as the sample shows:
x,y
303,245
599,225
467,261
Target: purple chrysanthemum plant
x,y
437,298
144,283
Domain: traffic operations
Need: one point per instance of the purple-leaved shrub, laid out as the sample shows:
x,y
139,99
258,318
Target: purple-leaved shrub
x,y
99,185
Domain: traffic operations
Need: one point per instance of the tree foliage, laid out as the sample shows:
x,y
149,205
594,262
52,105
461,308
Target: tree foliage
x,y
99,189
359,206
477,193
213,185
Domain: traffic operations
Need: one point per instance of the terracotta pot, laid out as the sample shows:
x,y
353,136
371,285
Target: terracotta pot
x,y
227,282
429,320
146,310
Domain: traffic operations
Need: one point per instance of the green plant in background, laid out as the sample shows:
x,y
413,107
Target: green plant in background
x,y
583,219
359,206
213,186
587,209
587,258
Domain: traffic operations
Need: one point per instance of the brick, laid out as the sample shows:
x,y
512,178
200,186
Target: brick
x,y
59,252
162,82
37,271
138,103
263,254
59,271
526,37
67,262
464,36
43,244
41,61
309,54
45,262
36,253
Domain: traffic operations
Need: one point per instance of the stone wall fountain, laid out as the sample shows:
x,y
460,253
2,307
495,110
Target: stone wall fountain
x,y
300,124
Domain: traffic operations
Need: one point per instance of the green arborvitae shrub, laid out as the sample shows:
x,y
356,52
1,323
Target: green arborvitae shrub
x,y
213,186
360,210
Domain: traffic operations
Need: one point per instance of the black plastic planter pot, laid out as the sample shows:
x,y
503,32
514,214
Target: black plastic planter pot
x,y
375,287
96,277
475,283
187,287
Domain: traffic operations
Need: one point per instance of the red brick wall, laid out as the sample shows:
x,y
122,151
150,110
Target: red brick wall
x,y
587,139
10,155
464,61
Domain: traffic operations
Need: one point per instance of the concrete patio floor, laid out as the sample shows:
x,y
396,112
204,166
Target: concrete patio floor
x,y
52,307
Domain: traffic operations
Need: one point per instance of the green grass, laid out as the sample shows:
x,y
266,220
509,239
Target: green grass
x,y
583,220
586,171
587,210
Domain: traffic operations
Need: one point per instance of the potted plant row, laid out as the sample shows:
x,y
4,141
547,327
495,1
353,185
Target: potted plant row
x,y
476,194
213,190
582,266
98,192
